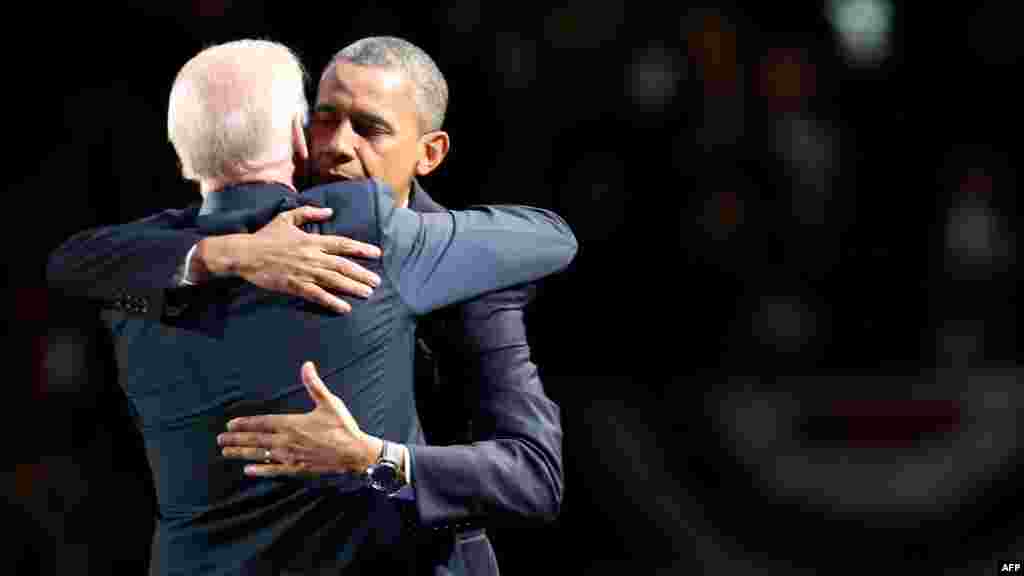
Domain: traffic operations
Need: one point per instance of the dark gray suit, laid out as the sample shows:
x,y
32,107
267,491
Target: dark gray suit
x,y
236,349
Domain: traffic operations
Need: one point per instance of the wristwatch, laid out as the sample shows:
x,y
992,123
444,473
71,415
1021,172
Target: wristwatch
x,y
385,475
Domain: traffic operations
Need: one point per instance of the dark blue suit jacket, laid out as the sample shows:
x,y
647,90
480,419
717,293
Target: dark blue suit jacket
x,y
235,350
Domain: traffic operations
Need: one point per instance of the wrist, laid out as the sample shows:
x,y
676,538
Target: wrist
x,y
404,466
388,473
372,448
214,256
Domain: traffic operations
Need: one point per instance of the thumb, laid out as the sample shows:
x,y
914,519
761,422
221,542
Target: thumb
x,y
301,215
324,399
314,385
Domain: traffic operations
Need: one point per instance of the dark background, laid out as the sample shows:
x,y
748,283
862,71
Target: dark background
x,y
788,342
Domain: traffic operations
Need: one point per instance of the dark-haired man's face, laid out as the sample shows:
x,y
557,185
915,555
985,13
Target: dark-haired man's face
x,y
371,109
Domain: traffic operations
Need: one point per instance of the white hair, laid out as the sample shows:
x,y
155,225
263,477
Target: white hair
x,y
231,108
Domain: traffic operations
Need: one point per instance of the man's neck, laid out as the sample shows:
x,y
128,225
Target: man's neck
x,y
402,196
213,185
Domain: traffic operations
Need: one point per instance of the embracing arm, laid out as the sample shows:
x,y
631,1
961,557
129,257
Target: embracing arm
x,y
132,266
513,467
128,266
447,257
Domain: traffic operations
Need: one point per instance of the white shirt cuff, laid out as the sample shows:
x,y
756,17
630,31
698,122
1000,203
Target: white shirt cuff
x,y
406,464
185,269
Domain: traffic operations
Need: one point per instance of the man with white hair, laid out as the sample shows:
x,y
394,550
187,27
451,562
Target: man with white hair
x,y
235,120
215,121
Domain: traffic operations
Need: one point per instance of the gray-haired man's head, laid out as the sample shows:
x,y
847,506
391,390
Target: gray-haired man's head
x,y
379,110
431,89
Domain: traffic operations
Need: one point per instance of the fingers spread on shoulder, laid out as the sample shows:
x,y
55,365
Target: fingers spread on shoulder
x,y
344,283
348,247
305,214
352,270
317,295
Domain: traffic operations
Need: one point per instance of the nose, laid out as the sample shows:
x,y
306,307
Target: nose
x,y
341,146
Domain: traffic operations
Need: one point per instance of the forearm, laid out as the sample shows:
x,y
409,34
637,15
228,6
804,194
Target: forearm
x,y
461,255
473,483
215,256
137,258
513,468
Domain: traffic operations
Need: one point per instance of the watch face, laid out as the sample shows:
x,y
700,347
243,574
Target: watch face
x,y
384,477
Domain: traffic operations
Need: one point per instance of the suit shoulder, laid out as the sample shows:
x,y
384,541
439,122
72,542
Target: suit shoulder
x,y
172,215
354,200
350,193
357,206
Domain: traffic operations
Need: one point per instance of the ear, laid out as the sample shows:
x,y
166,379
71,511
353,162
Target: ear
x,y
299,136
435,145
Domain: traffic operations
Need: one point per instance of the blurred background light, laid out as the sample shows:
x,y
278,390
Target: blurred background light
x,y
652,77
787,79
711,44
66,361
864,28
977,238
783,323
807,147
961,343
723,213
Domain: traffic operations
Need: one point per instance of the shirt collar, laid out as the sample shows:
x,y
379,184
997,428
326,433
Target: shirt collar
x,y
420,201
245,196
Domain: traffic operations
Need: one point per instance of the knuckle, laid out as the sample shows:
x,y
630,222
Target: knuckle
x,y
310,251
348,285
292,284
315,294
345,265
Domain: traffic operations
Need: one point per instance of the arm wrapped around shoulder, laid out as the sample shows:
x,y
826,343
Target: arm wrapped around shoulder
x,y
447,257
545,239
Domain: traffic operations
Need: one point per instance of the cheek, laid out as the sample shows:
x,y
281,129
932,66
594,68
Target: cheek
x,y
402,157
379,156
318,139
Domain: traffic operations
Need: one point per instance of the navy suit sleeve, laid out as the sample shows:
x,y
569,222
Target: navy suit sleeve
x,y
513,468
128,266
442,258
